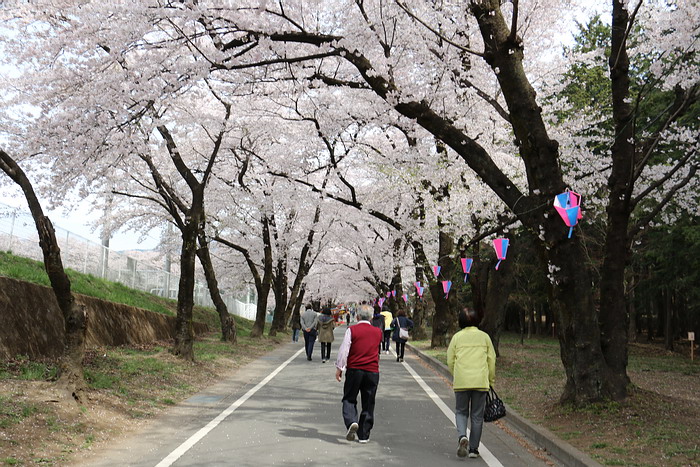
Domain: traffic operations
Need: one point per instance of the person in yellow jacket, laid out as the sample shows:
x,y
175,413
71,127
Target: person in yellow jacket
x,y
386,340
472,362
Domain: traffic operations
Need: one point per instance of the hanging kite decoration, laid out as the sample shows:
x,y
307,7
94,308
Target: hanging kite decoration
x,y
388,294
393,293
466,267
419,290
446,288
405,297
381,302
436,270
501,247
568,205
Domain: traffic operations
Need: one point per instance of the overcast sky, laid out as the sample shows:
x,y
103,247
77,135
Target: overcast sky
x,y
78,221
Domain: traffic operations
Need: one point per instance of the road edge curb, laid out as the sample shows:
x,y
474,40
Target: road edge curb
x,y
557,447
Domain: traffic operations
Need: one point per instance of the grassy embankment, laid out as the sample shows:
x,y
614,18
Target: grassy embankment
x,y
129,383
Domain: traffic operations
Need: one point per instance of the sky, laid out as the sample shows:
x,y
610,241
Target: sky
x,y
78,220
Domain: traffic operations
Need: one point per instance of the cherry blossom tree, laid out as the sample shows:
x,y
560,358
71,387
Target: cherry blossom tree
x,y
75,316
367,48
438,82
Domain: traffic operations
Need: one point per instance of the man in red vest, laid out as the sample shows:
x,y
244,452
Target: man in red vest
x,y
359,358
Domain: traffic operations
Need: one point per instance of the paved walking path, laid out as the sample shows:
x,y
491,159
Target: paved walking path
x,y
284,410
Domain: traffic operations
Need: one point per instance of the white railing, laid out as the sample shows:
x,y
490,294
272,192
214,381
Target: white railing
x,y
18,236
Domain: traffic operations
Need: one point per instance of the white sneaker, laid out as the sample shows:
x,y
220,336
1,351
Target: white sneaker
x,y
352,429
462,448
363,441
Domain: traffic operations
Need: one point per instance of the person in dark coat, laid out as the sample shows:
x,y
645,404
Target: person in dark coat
x,y
378,322
326,325
296,326
401,321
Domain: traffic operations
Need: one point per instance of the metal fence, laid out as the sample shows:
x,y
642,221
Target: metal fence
x,y
18,236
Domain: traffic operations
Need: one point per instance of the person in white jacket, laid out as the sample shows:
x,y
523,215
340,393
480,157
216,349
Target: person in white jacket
x,y
471,359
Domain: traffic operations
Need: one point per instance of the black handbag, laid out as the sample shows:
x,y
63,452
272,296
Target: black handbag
x,y
495,408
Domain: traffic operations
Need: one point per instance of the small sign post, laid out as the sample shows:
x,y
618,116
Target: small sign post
x,y
691,338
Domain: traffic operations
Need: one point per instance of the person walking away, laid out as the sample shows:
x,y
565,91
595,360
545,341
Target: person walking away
x,y
358,357
401,321
472,362
296,326
309,321
386,342
326,325
378,322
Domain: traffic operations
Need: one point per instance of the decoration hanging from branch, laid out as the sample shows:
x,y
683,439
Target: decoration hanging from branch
x,y
436,270
419,290
501,247
388,294
467,267
446,285
381,302
405,297
393,293
568,205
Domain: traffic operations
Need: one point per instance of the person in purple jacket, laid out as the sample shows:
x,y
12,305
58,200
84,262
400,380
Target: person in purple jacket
x,y
359,358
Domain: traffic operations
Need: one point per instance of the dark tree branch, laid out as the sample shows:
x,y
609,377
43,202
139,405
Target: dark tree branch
x,y
659,207
438,34
356,204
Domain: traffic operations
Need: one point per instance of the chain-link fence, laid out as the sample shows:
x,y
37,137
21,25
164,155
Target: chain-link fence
x,y
18,236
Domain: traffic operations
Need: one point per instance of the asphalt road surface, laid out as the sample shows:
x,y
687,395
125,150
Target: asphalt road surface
x,y
284,410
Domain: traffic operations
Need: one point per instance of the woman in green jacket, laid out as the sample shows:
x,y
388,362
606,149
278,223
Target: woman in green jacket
x,y
472,362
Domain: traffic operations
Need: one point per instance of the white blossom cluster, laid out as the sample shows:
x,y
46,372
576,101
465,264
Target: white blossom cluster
x,y
91,85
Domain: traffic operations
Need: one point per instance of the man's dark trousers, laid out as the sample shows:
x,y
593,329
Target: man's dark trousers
x,y
309,340
365,383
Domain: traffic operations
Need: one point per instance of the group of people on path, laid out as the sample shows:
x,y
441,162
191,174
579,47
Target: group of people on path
x,y
319,326
315,325
471,359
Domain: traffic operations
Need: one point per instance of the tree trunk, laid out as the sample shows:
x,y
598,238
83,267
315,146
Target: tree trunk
x,y
75,317
668,321
294,303
632,311
498,288
613,316
228,323
184,332
296,310
280,292
263,285
419,329
443,318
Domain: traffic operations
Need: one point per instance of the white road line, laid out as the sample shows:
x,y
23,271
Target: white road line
x,y
485,454
195,438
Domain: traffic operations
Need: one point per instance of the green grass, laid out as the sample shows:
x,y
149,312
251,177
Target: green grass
x,y
33,271
663,363
23,368
13,411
